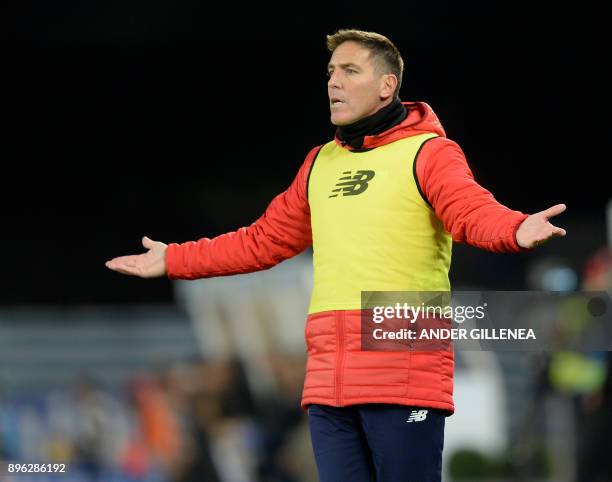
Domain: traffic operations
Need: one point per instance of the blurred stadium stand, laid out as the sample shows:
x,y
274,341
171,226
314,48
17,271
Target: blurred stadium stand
x,y
48,347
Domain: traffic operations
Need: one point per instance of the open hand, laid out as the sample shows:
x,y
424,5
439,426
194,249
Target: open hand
x,y
536,229
151,264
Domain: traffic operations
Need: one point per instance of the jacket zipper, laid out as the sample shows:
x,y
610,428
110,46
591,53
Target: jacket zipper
x,y
340,358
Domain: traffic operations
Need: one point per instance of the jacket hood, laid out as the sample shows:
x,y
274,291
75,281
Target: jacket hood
x,y
421,119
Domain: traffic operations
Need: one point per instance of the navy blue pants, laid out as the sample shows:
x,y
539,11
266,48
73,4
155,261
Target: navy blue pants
x,y
377,443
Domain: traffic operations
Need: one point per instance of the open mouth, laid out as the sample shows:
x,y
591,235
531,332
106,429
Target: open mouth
x,y
334,101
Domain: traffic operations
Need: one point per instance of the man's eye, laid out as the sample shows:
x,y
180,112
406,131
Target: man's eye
x,y
351,71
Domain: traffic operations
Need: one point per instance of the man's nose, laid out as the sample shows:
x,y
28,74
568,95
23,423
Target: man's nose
x,y
334,80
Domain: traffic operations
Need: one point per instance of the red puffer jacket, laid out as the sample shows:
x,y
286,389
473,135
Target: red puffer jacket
x,y
337,372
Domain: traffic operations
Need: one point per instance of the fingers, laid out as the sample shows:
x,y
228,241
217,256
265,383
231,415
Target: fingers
x,y
558,231
124,265
123,270
554,210
147,243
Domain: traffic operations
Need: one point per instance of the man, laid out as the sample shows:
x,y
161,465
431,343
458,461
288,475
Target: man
x,y
380,204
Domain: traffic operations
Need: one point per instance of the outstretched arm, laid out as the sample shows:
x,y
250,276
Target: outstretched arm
x,y
281,232
470,212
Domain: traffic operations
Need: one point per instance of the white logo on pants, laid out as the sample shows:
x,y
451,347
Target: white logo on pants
x,y
417,416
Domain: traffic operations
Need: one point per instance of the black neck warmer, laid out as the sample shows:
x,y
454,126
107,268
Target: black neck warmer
x,y
380,121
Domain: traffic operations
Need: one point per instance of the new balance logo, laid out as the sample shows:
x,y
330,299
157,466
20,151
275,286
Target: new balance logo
x,y
352,184
417,416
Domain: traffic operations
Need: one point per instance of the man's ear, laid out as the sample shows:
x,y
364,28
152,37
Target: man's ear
x,y
387,86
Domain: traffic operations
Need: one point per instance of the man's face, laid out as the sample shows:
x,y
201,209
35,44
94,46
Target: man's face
x,y
355,89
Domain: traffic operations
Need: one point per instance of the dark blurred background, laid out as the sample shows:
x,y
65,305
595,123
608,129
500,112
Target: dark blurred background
x,y
180,120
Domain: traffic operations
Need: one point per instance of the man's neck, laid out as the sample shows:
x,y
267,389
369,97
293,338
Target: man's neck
x,y
382,120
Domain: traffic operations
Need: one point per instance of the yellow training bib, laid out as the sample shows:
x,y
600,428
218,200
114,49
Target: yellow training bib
x,y
371,228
